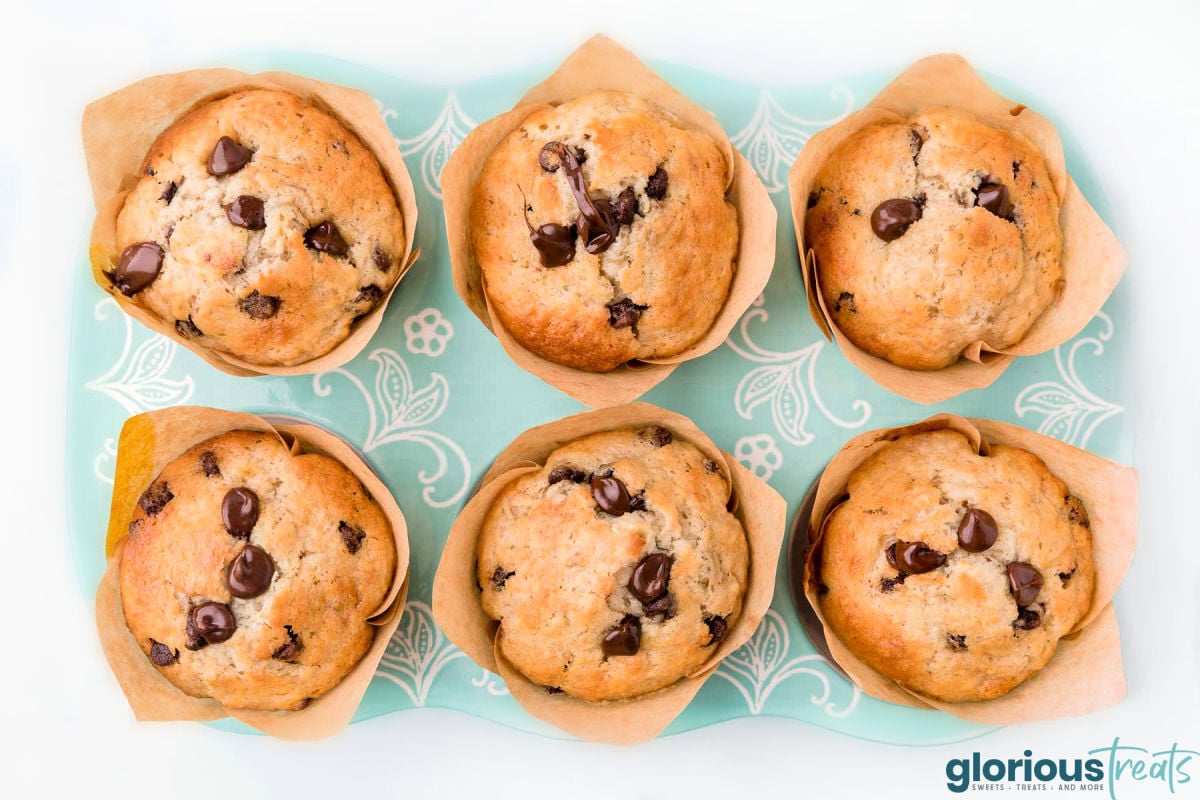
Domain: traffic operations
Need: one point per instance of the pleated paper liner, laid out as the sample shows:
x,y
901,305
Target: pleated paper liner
x,y
147,444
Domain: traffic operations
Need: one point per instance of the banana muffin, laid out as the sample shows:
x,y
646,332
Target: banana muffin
x,y
933,233
953,573
249,573
260,227
603,232
617,568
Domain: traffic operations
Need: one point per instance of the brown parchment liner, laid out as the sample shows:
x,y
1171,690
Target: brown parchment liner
x,y
1086,673
148,443
1092,258
601,63
456,600
119,130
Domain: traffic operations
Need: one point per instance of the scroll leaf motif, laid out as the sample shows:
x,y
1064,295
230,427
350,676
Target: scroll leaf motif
x,y
416,653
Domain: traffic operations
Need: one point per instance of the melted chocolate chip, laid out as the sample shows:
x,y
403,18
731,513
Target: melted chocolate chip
x,y
352,536
977,531
1024,581
370,295
208,463
599,231
247,212
155,499
661,609
1027,619
650,577
626,207
168,194
500,577
610,495
914,557
718,626
259,306
161,655
956,641
228,157
845,302
214,622
623,639
381,259
187,328
567,474
890,584
250,573
239,512
993,197
656,185
597,221
324,237
655,435
194,640
624,313
892,218
137,268
289,649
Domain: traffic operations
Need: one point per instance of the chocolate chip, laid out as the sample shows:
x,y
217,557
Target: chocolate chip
x,y
1016,169
626,207
250,573
611,495
814,197
151,171
134,524
638,501
500,577
600,229
914,557
650,577
567,474
624,313
718,626
1027,619
555,243
845,301
351,535
247,212
548,157
552,690
655,435
623,639
137,268
168,194
956,641
892,218
1065,577
194,640
162,655
155,499
1076,513
259,306
712,467
381,259
239,512
228,157
977,531
303,704
1024,581
324,237
915,143
208,463
993,197
890,584
656,185
187,328
661,609
289,649
213,622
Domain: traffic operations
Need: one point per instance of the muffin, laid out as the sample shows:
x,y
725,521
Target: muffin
x,y
260,227
603,232
932,233
616,568
953,573
249,573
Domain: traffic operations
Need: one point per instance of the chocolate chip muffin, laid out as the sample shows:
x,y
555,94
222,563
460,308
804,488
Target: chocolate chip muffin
x,y
616,568
933,233
603,232
953,573
261,227
249,573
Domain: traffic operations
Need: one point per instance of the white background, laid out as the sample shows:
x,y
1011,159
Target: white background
x,y
1121,76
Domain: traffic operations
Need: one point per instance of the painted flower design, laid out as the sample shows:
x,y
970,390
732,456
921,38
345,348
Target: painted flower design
x,y
758,667
773,138
437,142
138,380
759,455
417,652
398,411
427,332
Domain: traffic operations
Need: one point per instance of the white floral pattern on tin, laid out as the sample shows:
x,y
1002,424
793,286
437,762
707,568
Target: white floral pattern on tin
x,y
488,682
761,664
1071,411
105,464
398,412
773,137
759,454
437,142
785,383
427,333
417,652
138,380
